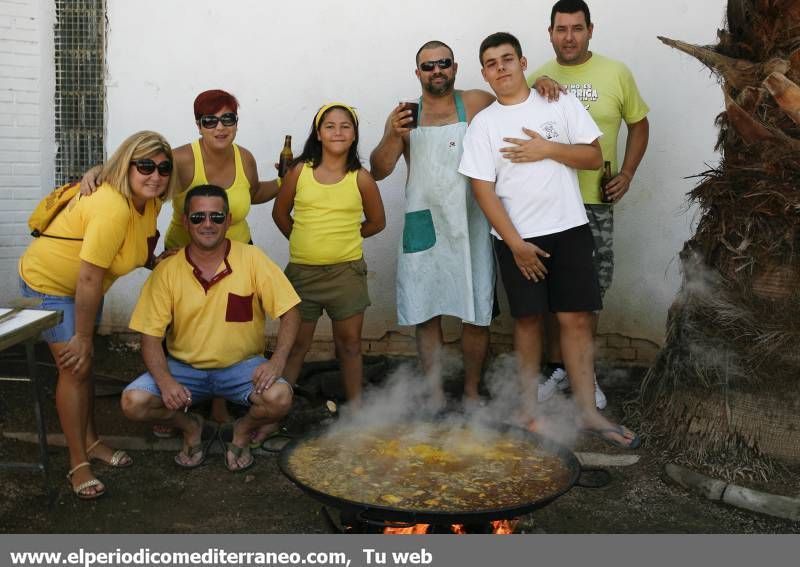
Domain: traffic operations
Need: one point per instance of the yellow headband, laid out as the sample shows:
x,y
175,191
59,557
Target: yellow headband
x,y
330,105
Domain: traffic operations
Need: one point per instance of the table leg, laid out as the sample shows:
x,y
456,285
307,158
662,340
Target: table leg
x,y
38,397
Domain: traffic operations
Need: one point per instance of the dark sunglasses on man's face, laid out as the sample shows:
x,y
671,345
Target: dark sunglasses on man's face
x,y
148,166
217,217
428,66
210,120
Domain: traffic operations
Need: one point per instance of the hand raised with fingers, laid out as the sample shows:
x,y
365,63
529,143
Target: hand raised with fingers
x,y
536,148
400,118
549,88
89,180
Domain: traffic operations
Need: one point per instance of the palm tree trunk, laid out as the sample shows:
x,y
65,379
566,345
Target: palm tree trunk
x,y
725,389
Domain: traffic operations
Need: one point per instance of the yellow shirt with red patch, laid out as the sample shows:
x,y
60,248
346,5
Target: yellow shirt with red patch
x,y
115,236
217,323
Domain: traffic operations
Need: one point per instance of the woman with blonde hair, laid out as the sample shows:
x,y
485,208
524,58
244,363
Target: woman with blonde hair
x,y
93,241
213,158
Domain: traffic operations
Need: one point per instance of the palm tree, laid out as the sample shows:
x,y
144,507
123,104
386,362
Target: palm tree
x,y
725,389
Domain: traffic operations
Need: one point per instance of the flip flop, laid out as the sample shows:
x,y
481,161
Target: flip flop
x,y
226,439
207,436
603,433
237,452
276,441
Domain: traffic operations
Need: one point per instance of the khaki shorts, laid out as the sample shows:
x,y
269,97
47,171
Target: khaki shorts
x,y
339,289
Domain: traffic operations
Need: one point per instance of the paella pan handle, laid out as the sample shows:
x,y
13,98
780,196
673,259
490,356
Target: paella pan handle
x,y
593,477
382,523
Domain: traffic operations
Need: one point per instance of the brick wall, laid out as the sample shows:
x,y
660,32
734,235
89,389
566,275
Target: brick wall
x,y
612,349
25,88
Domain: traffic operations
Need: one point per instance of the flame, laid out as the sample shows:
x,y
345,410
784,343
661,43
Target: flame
x,y
499,527
415,529
504,527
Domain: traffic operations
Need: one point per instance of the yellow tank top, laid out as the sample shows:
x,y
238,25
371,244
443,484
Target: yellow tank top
x,y
327,220
238,201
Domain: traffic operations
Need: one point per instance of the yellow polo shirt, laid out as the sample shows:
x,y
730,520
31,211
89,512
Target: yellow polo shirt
x,y
219,323
115,237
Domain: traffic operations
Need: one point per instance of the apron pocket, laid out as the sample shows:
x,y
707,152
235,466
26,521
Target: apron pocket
x,y
418,232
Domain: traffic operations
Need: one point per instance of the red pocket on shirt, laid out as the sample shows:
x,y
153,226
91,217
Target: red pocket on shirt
x,y
240,308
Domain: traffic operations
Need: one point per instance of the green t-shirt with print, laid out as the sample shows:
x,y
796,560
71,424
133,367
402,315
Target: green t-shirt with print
x,y
609,92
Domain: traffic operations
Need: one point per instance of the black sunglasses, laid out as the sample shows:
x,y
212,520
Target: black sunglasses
x,y
217,217
210,120
148,166
428,66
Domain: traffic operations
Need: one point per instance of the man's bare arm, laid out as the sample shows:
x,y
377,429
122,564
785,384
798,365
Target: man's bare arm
x,y
385,155
173,394
265,374
577,156
635,147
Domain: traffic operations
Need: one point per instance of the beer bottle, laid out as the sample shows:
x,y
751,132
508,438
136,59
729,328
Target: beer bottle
x,y
286,157
605,180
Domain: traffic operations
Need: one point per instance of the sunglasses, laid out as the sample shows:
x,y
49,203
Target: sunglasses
x,y
429,66
210,120
148,166
217,217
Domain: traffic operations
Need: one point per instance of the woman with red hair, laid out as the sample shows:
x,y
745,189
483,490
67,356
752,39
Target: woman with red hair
x,y
215,159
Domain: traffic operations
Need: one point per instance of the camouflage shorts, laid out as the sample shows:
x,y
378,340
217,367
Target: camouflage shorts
x,y
601,221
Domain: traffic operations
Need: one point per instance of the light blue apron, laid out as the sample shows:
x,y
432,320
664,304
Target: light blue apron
x,y
445,264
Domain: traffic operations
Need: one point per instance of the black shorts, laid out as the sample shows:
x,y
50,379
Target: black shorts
x,y
570,284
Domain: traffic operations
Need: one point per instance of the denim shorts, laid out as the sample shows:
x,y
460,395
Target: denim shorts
x,y
65,330
234,383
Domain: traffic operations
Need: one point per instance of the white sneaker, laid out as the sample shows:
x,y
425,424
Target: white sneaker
x,y
559,380
556,382
599,397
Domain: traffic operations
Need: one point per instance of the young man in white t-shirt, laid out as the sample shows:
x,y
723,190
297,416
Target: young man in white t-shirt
x,y
542,239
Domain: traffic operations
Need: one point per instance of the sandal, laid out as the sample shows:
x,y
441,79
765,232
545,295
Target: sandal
x,y
208,433
226,438
119,459
79,490
237,452
273,442
276,441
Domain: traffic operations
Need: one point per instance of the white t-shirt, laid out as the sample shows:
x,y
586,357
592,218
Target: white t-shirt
x,y
540,197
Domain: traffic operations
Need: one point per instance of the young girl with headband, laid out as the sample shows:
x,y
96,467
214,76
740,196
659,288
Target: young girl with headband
x,y
335,204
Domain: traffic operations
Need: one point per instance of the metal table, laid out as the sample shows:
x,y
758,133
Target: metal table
x,y
24,326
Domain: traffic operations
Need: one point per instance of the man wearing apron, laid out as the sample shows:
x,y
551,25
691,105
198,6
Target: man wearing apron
x,y
445,262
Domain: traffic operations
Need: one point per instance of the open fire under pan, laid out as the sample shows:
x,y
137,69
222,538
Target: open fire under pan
x,y
482,511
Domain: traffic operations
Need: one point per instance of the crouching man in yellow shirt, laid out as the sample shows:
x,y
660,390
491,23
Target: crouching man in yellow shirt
x,y
210,300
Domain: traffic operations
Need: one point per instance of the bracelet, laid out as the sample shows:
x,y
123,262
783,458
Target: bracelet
x,y
279,182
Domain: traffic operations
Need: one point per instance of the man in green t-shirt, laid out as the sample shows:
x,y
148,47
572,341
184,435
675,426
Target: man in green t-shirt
x,y
609,92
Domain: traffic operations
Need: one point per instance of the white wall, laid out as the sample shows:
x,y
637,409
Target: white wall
x,y
283,60
26,125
